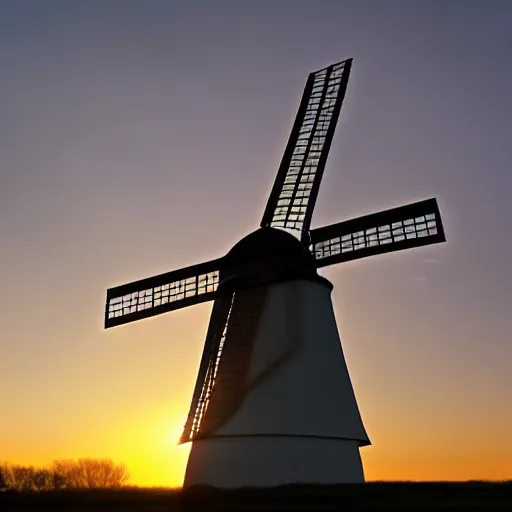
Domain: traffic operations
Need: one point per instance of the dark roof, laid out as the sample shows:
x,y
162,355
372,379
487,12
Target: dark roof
x,y
265,242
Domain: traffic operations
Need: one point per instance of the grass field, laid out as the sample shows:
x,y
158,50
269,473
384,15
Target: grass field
x,y
372,496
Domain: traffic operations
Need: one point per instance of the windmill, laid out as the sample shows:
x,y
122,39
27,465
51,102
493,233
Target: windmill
x,y
273,401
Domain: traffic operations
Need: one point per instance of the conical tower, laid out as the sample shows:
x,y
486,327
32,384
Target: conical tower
x,y
282,409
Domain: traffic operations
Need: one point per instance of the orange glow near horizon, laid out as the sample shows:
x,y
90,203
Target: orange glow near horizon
x,y
133,408
153,459
148,447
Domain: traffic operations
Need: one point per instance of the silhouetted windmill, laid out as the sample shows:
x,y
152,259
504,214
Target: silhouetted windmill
x,y
273,401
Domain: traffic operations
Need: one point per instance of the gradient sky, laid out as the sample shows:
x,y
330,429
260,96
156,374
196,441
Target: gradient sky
x,y
141,136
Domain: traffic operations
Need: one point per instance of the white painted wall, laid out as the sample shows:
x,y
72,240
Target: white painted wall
x,y
267,462
308,393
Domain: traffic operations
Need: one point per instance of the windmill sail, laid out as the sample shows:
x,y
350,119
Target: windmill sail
x,y
295,190
162,293
222,379
400,228
208,367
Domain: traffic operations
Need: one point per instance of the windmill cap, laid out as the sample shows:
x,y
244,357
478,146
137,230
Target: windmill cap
x,y
267,255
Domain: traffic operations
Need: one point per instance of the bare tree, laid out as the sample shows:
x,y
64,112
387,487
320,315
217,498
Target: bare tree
x,y
26,478
16,477
67,474
42,479
90,473
3,483
64,474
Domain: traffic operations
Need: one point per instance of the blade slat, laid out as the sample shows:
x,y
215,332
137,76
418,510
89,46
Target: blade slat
x,y
208,366
295,190
222,379
409,226
162,293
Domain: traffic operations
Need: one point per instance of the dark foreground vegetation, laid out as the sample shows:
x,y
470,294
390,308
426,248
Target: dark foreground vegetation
x,y
63,474
470,496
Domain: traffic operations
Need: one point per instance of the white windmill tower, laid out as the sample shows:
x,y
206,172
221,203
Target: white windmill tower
x,y
273,402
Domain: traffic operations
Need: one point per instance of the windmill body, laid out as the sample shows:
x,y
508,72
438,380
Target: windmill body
x,y
273,401
297,419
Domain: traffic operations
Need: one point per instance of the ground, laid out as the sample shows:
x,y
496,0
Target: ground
x,y
372,496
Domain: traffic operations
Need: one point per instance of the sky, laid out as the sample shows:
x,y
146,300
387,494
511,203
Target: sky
x,y
137,137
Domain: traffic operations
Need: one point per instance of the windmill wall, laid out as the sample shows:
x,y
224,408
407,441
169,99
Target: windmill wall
x,y
299,419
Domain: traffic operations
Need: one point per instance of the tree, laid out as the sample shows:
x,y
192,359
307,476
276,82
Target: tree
x,y
42,479
64,474
26,478
3,483
89,474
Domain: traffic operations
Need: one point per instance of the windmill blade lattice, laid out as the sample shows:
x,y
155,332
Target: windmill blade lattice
x,y
222,379
162,293
295,189
400,228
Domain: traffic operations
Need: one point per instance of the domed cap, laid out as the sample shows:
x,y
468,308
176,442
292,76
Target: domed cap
x,y
265,255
